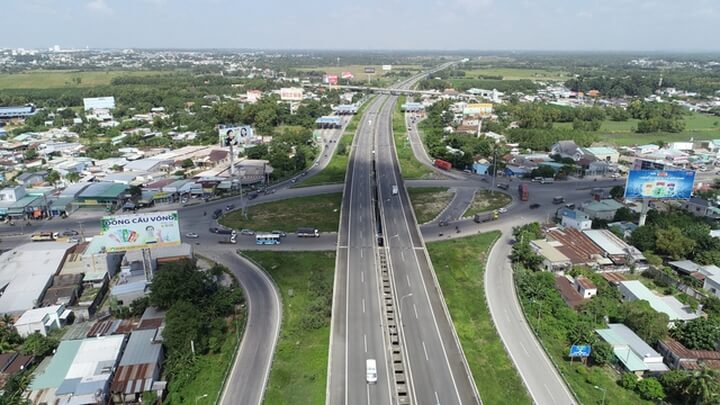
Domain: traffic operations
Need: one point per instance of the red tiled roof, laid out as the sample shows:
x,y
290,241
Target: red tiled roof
x,y
585,282
575,245
684,353
613,277
217,155
568,293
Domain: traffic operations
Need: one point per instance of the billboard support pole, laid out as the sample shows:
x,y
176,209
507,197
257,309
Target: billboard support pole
x,y
644,211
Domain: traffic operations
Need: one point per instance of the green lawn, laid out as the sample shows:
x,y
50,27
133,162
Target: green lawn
x,y
335,171
519,74
410,168
211,369
428,202
460,265
318,211
485,201
299,370
697,126
44,79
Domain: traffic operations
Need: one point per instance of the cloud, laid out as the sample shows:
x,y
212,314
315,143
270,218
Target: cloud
x,y
99,6
473,6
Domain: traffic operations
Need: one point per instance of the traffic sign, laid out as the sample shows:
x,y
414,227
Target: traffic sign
x,y
580,351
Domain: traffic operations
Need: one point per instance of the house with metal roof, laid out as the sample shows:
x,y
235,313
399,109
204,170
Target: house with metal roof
x,y
634,290
41,320
101,194
139,368
603,209
602,153
11,112
79,373
615,248
553,259
634,354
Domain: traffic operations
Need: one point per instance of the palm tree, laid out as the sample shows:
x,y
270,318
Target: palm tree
x,y
703,386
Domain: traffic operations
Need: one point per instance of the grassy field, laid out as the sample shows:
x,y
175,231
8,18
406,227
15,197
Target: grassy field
x,y
44,79
319,211
335,171
210,376
460,265
697,126
359,70
410,168
519,74
486,201
299,369
428,202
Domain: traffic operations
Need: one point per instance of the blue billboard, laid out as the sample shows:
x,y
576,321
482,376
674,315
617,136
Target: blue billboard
x,y
660,184
580,351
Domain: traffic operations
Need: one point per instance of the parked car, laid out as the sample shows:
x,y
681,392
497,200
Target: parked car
x,y
247,232
281,233
502,210
192,235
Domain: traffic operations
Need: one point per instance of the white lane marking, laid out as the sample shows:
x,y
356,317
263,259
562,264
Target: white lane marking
x,y
437,399
365,342
425,350
416,313
363,305
361,253
549,392
524,349
402,255
362,277
361,235
368,393
407,277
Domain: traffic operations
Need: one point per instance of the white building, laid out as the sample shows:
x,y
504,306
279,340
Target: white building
x,y
95,103
42,320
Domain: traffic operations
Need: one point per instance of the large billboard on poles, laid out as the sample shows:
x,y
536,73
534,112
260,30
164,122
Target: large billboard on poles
x,y
235,135
140,231
660,184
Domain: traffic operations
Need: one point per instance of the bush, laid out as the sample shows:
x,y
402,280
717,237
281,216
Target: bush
x,y
628,381
650,389
602,353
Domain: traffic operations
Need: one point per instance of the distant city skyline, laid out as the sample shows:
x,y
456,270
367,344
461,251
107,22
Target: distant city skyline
x,y
552,25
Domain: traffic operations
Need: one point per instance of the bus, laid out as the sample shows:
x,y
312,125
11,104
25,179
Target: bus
x,y
267,239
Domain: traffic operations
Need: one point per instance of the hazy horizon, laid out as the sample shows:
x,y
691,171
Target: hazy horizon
x,y
427,25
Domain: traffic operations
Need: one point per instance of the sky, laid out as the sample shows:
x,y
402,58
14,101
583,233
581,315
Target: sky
x,y
570,25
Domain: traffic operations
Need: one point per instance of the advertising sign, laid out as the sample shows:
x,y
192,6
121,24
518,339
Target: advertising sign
x,y
347,75
387,68
139,231
369,69
235,135
580,351
660,184
332,79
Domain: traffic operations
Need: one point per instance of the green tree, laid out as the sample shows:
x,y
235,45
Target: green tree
x,y
617,192
179,282
187,164
698,333
672,242
647,323
674,382
53,177
703,387
72,177
650,389
628,381
602,353
185,328
643,238
30,154
39,345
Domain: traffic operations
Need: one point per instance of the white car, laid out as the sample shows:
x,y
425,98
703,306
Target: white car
x,y
502,210
192,235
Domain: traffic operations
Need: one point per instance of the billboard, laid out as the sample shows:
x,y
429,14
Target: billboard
x,y
235,135
369,69
332,79
387,68
660,184
347,75
291,94
139,231
482,109
580,351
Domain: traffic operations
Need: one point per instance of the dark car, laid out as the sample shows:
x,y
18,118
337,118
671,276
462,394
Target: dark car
x,y
71,232
229,207
252,196
535,205
217,213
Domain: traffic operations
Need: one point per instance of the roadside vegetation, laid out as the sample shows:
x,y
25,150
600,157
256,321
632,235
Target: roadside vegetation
x,y
429,202
48,79
335,171
460,266
485,201
410,168
299,368
318,211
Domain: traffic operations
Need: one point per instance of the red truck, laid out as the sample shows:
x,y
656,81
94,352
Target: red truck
x,y
442,164
523,191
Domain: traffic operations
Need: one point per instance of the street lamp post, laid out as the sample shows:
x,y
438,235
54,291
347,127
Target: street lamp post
x,y
604,391
200,397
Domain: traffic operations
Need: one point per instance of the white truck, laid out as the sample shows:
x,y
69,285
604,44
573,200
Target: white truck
x,y
394,189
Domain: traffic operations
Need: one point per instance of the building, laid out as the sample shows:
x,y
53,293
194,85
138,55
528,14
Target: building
x,y
634,290
616,249
603,209
575,219
602,153
99,103
30,179
575,291
139,368
26,272
12,363
677,356
633,353
42,320
567,149
701,207
107,194
577,247
623,227
553,259
328,121
79,373
17,112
